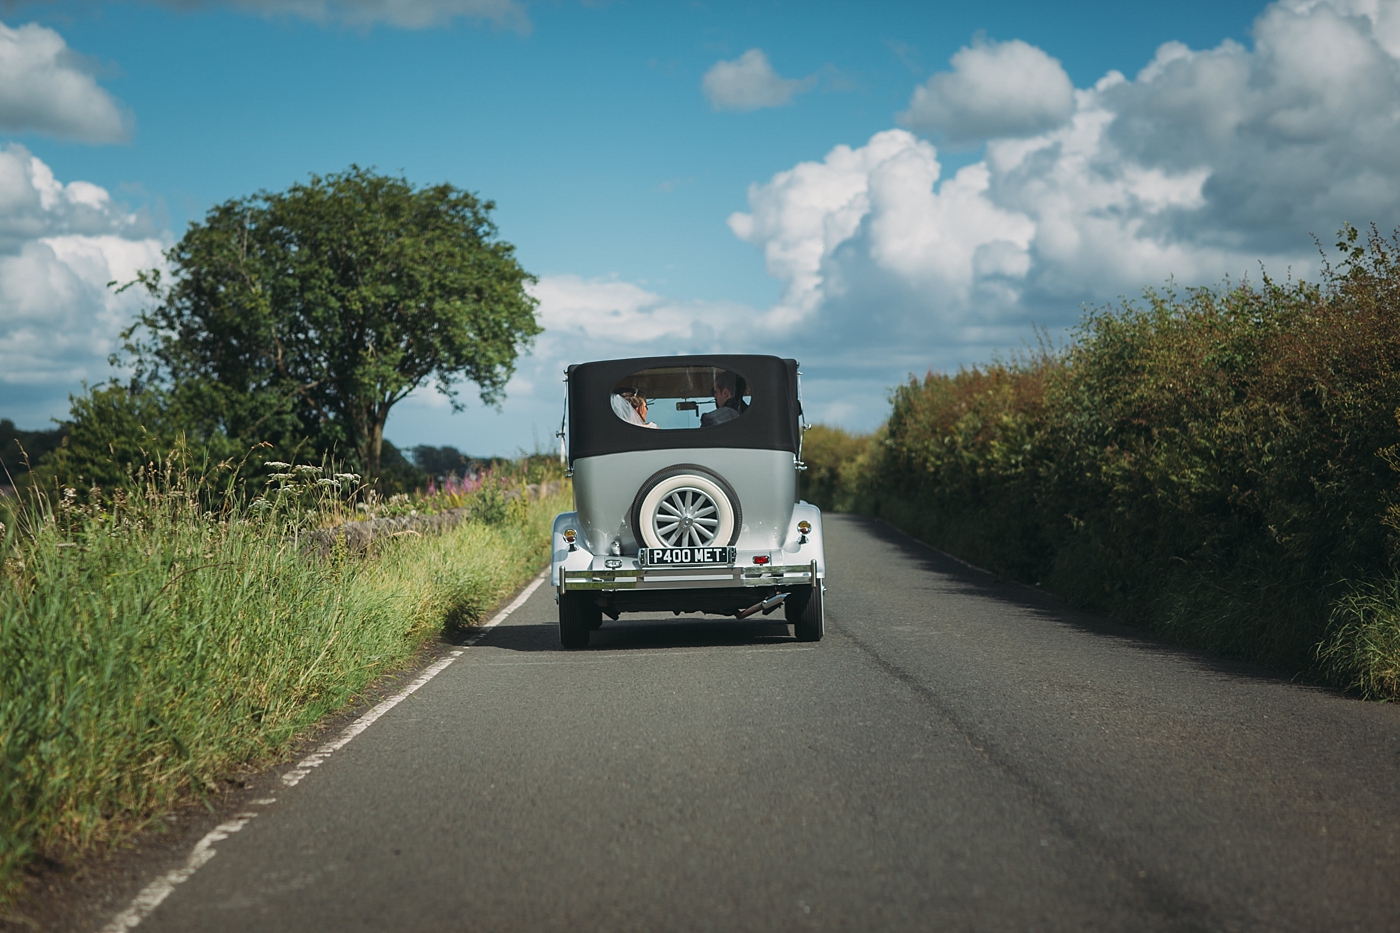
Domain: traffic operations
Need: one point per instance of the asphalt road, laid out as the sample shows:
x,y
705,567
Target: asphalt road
x,y
956,754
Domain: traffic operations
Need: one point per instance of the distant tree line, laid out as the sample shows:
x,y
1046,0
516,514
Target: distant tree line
x,y
20,449
411,468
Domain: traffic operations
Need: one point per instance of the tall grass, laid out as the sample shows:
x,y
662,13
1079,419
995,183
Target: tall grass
x,y
1219,464
153,643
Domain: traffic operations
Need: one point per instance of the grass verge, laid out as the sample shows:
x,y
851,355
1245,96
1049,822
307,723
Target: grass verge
x,y
151,646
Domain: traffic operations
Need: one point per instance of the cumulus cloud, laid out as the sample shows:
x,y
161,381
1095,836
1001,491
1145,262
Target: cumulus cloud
x,y
60,244
1298,134
1200,167
404,14
995,89
877,206
46,87
608,310
34,205
620,316
750,83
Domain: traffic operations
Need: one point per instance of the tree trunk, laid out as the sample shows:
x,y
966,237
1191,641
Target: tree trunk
x,y
374,445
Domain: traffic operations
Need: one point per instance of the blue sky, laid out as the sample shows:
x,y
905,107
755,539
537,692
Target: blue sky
x,y
675,175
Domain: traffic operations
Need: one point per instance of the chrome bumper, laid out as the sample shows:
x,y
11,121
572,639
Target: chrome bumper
x,y
688,578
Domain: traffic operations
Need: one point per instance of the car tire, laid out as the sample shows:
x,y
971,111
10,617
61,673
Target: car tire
x,y
664,490
577,612
804,609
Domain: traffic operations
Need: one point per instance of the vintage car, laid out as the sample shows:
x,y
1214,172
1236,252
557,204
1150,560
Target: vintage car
x,y
685,494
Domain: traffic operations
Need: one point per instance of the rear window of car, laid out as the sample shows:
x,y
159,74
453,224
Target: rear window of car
x,y
681,397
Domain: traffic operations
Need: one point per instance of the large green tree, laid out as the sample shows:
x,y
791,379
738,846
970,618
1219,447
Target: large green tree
x,y
312,312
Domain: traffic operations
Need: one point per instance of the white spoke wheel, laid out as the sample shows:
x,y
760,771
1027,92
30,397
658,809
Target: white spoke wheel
x,y
681,508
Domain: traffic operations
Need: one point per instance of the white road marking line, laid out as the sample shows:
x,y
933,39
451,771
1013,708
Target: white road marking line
x,y
155,892
151,896
318,757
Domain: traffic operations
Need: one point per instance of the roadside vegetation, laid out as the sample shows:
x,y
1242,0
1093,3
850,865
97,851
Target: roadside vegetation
x,y
1219,464
160,638
170,608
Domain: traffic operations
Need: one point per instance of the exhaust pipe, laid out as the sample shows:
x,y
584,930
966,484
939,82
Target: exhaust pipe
x,y
765,607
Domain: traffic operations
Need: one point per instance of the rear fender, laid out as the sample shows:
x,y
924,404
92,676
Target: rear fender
x,y
797,551
580,558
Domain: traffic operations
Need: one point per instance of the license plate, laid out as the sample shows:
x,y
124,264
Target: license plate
x,y
685,556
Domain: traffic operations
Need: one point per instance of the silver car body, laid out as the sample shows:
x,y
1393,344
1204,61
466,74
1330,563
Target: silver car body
x,y
771,553
765,481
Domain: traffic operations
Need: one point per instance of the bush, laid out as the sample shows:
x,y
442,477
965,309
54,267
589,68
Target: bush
x,y
958,459
836,462
116,431
1217,463
113,432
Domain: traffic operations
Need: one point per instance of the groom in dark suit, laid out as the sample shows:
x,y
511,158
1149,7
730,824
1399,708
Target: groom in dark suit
x,y
727,401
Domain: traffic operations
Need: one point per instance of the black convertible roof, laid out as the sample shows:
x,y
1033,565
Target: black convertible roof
x,y
769,423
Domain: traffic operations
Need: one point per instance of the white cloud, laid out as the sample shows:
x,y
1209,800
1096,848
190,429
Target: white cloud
x,y
750,83
59,247
33,204
995,89
607,310
1295,136
621,315
45,87
58,320
849,229
404,14
1199,168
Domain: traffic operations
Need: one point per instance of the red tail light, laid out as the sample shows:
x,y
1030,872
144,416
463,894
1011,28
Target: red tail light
x,y
761,559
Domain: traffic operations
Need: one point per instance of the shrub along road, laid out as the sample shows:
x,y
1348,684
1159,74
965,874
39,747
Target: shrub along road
x,y
958,753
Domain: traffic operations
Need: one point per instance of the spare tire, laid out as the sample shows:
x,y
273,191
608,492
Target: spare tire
x,y
686,505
